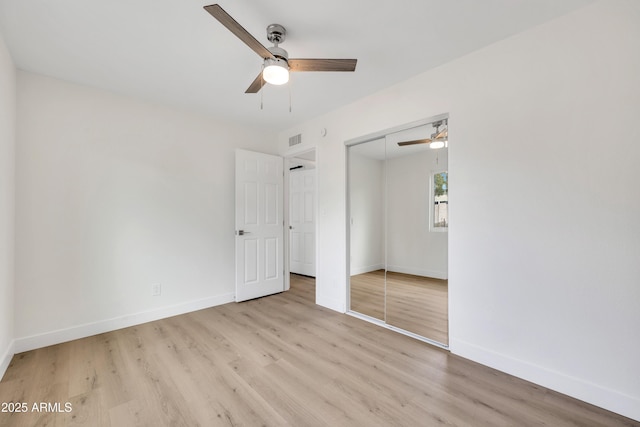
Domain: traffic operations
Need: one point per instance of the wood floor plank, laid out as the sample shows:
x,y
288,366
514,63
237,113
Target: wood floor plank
x,y
368,294
275,361
416,304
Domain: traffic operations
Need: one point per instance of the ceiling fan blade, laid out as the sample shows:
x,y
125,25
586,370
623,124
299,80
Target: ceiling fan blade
x,y
232,25
442,134
414,142
256,85
322,64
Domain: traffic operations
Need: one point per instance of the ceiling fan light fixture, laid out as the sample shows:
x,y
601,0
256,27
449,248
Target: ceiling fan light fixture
x,y
276,71
434,145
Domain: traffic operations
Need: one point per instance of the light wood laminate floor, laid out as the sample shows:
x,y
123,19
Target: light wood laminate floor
x,y
275,361
416,304
367,293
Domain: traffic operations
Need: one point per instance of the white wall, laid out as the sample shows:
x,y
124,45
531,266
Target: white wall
x,y
549,115
413,248
367,212
7,203
114,195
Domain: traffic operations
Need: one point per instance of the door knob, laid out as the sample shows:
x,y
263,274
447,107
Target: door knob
x,y
242,232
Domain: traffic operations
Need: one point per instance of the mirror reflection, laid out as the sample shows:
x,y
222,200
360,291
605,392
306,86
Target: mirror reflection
x,y
367,207
398,195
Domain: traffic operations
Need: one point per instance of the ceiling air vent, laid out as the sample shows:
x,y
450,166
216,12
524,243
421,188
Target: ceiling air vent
x,y
295,140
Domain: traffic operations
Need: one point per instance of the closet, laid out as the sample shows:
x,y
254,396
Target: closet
x,y
398,184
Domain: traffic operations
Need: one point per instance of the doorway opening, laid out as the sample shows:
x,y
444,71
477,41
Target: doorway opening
x,y
301,210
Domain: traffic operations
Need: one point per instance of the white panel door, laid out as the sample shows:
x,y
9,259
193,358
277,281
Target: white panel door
x,y
259,225
302,235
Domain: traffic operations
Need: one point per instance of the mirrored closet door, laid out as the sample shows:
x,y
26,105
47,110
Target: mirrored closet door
x,y
398,203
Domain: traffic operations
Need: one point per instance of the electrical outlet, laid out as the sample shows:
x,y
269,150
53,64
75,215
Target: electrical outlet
x,y
156,289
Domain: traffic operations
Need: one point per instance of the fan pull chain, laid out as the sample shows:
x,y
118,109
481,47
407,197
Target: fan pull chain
x,y
290,84
262,91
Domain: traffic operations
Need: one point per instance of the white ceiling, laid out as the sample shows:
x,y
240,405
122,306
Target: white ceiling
x,y
174,52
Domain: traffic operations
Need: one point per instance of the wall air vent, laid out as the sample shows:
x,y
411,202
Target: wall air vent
x,y
295,140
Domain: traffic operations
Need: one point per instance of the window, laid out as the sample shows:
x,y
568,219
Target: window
x,y
440,199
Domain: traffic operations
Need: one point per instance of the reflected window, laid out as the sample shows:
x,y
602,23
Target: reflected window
x,y
440,198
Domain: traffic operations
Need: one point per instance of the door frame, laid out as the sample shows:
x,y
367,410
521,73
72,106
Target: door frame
x,y
290,154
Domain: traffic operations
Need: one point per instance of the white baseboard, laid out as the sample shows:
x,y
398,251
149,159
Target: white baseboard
x,y
6,357
333,304
88,329
611,400
418,272
400,269
366,269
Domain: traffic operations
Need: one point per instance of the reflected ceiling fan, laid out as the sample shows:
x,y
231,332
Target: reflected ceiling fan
x,y
277,64
438,138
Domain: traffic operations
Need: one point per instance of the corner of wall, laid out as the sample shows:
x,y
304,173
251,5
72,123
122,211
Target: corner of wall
x,y
7,202
5,359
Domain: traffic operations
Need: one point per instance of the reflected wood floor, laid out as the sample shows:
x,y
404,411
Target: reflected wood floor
x,y
414,303
275,361
418,304
367,294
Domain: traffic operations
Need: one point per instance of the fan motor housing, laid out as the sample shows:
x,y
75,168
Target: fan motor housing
x,y
276,33
279,52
